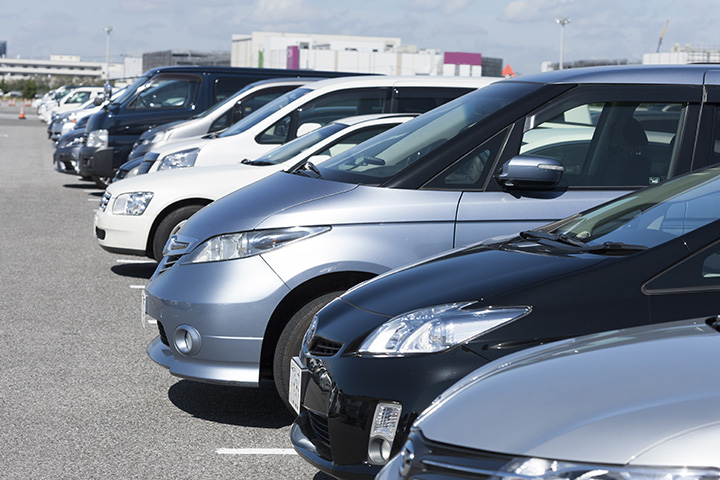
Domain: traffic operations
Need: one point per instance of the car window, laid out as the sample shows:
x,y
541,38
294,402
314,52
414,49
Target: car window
x,y
353,139
608,144
246,106
384,156
700,271
265,111
166,92
325,109
225,87
649,217
423,99
78,97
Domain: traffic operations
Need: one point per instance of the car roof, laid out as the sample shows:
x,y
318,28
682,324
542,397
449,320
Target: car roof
x,y
404,80
374,116
696,74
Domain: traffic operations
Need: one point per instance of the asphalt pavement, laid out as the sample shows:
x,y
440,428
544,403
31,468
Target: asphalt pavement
x,y
79,396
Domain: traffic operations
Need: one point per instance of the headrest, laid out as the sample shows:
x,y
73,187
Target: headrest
x,y
632,134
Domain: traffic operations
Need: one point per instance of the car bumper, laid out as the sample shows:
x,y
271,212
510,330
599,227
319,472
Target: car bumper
x,y
66,161
96,162
333,429
226,306
127,234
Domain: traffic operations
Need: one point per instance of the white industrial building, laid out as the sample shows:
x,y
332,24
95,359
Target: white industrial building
x,y
357,54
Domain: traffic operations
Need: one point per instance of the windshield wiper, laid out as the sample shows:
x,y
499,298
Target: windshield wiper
x,y
256,162
615,247
553,237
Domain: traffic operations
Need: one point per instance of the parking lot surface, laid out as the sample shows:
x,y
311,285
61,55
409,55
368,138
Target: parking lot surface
x,y
80,398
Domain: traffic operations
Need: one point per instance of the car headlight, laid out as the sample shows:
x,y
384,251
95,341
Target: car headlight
x,y
437,328
247,244
523,468
159,137
182,159
97,139
133,203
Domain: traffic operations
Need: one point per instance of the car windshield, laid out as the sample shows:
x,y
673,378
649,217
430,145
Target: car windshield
x,y
643,219
379,159
129,91
299,145
265,111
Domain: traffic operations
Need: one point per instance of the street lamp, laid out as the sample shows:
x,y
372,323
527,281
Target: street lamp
x,y
107,63
562,21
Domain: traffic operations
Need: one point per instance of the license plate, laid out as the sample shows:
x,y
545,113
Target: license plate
x,y
297,375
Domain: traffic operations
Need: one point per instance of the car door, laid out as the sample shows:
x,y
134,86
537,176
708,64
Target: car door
x,y
609,140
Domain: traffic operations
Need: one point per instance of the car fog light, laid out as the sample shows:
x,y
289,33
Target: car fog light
x,y
187,340
382,433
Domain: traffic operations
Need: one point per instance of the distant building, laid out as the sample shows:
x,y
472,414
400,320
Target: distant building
x,y
3,48
66,66
356,54
683,55
167,58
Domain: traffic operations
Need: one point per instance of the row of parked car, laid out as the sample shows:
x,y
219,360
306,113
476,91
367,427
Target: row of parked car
x,y
414,262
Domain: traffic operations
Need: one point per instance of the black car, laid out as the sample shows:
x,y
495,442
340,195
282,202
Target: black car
x,y
376,357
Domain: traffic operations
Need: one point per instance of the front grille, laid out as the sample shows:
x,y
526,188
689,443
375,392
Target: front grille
x,y
145,167
167,263
319,425
99,233
434,460
322,347
163,337
104,201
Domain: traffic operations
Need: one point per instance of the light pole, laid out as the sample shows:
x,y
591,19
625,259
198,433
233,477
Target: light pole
x,y
562,21
107,63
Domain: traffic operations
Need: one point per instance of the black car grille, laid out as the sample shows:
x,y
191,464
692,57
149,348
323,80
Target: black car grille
x,y
99,233
322,347
163,337
319,425
434,460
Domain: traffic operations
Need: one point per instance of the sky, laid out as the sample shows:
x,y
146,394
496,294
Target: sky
x,y
524,33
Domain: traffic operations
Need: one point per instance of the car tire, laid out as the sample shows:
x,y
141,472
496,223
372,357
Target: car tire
x,y
290,341
168,226
101,182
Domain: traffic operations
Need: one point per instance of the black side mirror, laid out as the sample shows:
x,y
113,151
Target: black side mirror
x,y
525,171
97,101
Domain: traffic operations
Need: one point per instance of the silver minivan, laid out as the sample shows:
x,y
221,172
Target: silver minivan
x,y
630,404
241,281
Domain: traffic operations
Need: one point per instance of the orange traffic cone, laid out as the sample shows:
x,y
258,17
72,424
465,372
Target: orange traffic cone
x,y
22,113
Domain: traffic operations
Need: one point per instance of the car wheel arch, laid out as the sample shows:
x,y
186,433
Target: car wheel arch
x,y
188,202
295,300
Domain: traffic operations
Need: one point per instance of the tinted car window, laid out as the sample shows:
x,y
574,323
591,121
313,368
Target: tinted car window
x,y
700,271
324,110
648,218
226,87
167,92
247,106
419,99
265,111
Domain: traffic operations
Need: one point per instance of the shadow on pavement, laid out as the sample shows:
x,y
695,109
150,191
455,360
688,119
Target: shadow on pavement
x,y
246,407
135,270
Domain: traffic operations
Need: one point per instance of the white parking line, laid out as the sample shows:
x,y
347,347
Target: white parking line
x,y
132,260
255,451
139,287
93,200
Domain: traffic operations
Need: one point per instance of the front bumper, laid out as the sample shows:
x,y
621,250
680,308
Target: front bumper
x,y
125,234
66,160
96,162
227,305
333,429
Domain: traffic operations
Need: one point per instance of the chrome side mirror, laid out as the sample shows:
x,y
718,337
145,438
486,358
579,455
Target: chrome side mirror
x,y
525,171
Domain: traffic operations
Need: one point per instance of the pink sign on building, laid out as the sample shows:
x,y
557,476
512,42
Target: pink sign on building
x,y
293,57
462,58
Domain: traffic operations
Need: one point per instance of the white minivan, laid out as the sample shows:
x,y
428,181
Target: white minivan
x,y
307,108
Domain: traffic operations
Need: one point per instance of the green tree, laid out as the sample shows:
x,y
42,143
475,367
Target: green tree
x,y
29,89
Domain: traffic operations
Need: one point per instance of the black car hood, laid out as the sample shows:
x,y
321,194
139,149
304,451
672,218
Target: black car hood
x,y
475,273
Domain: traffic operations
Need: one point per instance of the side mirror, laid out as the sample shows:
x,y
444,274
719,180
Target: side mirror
x,y
307,128
525,171
97,101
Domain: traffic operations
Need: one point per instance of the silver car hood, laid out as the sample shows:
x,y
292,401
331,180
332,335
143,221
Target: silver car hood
x,y
246,208
644,396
